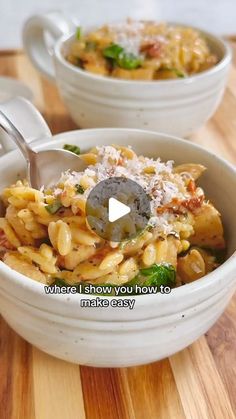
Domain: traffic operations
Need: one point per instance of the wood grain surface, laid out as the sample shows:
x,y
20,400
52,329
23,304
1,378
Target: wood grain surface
x,y
197,383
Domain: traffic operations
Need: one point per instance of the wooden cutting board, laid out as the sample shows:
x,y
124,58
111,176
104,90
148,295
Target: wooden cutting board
x,y
198,383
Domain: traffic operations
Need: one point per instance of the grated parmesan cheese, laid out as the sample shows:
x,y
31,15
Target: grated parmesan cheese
x,y
130,35
162,186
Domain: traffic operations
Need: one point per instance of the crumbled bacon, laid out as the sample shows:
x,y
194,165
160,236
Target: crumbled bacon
x,y
172,206
152,48
191,186
178,207
120,161
193,203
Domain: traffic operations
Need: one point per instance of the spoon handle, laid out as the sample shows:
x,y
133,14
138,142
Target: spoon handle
x,y
16,136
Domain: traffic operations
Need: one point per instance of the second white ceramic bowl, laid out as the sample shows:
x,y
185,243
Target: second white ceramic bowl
x,y
159,325
176,107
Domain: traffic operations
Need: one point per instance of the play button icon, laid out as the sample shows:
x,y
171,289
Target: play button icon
x,y
118,209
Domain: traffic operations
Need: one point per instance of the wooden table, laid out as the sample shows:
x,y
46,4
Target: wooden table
x,y
199,382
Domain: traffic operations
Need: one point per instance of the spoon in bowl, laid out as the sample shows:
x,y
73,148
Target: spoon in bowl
x,y
44,167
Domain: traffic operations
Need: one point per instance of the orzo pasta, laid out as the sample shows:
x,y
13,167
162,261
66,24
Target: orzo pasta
x,y
45,234
141,50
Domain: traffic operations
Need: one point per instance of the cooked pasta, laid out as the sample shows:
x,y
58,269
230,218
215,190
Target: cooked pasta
x,y
46,235
141,50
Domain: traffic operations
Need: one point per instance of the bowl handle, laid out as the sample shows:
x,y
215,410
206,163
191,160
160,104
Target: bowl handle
x,y
27,120
35,28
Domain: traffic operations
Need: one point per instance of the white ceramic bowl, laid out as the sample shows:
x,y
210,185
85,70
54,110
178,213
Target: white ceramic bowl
x,y
159,325
176,107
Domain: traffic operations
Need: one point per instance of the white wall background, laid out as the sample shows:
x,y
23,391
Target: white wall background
x,y
218,16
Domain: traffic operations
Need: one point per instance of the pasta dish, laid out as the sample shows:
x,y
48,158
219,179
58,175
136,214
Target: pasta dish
x,y
141,50
45,234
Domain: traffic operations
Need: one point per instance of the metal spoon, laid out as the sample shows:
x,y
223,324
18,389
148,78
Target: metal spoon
x,y
44,167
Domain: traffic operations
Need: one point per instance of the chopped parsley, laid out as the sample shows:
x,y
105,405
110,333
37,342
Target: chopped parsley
x,y
79,188
54,207
73,148
78,33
